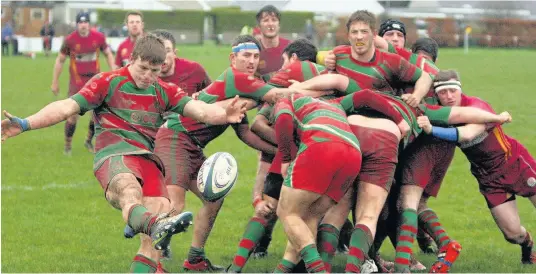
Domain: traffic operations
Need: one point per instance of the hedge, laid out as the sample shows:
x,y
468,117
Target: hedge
x,y
233,19
177,19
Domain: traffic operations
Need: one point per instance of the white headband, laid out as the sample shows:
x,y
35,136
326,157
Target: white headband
x,y
439,86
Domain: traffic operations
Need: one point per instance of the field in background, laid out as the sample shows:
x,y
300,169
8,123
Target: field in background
x,y
55,217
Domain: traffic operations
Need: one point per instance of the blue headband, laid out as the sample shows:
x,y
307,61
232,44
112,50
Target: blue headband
x,y
245,46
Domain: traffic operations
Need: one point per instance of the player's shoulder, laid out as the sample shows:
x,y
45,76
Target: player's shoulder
x,y
388,55
191,65
96,33
124,43
71,36
342,49
473,101
283,42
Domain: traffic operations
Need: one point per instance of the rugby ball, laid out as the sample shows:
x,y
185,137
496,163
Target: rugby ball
x,y
217,176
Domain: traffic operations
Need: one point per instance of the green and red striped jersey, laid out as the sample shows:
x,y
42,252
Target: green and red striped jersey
x,y
126,117
229,84
386,72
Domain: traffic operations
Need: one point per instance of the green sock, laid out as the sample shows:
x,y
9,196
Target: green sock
x,y
408,230
433,227
284,267
195,255
253,234
142,264
360,243
328,240
140,219
313,262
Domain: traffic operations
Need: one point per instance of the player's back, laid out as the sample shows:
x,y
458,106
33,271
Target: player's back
x,y
299,71
320,121
492,151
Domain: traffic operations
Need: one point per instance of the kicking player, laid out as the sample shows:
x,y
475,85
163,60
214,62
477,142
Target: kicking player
x,y
135,26
83,47
268,23
502,166
128,106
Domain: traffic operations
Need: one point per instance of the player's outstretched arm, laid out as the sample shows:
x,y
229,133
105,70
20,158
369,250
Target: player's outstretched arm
x,y
251,139
324,82
261,127
214,114
51,114
466,115
455,134
110,59
422,86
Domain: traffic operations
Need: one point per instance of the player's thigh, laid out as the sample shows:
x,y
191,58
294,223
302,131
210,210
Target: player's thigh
x,y
338,213
506,216
182,158
370,201
295,202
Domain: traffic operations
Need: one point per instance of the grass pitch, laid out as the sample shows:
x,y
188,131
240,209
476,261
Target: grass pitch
x,y
55,217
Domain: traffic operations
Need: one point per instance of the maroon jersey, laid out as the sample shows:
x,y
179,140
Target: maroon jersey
x,y
126,117
124,51
190,76
491,153
384,73
84,54
270,59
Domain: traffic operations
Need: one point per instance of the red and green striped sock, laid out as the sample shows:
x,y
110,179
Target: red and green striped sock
x,y
142,264
360,243
327,240
140,219
430,222
284,267
253,234
406,237
313,262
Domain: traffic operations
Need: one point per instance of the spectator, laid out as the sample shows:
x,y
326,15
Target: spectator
x,y
309,30
47,32
7,36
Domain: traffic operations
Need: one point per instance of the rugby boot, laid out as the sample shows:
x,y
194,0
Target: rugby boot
x,y
446,257
165,227
203,265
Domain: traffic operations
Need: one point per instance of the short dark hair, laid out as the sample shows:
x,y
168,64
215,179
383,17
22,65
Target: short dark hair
x,y
246,38
133,12
270,10
362,16
445,75
165,35
303,48
149,48
426,45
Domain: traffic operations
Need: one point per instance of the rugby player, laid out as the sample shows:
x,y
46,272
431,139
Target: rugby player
x,y
128,106
83,47
135,26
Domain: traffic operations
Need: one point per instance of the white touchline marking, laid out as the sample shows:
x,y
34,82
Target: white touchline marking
x,y
47,187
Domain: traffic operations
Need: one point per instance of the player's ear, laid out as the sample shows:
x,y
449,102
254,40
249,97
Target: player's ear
x,y
232,57
294,57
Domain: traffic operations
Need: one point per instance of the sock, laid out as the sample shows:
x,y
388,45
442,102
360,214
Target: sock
x,y
408,230
140,219
253,234
359,247
284,267
142,264
69,132
90,131
430,222
327,240
313,262
195,255
267,237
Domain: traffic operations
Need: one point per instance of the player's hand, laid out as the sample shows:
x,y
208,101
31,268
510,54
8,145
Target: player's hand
x,y
411,100
293,84
55,88
13,126
330,60
404,128
284,169
263,208
505,117
425,124
235,111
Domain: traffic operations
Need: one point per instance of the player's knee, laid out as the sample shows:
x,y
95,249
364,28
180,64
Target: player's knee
x,y
514,237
